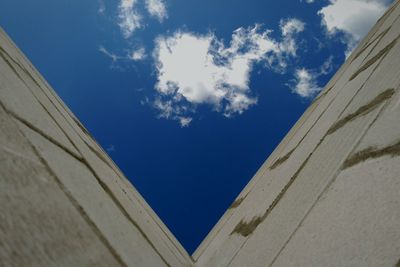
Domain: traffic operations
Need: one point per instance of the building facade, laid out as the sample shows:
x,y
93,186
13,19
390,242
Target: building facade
x,y
329,195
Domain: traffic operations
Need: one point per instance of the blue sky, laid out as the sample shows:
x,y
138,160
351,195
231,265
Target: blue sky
x,y
188,97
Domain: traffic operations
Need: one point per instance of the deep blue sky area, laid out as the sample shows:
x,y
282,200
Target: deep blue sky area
x,y
189,175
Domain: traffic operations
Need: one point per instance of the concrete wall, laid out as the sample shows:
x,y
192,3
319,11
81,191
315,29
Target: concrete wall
x,y
329,195
63,201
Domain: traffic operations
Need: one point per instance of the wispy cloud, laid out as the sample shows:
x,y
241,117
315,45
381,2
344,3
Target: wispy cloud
x,y
167,109
327,66
289,28
157,9
305,83
129,19
185,121
198,69
137,54
354,18
109,54
118,61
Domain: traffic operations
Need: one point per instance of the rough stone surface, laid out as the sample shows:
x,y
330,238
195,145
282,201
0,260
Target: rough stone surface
x,y
329,195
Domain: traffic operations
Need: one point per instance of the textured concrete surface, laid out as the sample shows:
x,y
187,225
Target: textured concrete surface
x,y
329,195
63,200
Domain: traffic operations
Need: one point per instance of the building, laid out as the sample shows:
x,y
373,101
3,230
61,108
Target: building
x,y
329,195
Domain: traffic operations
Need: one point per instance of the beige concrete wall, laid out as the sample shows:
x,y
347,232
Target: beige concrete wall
x,y
63,201
329,195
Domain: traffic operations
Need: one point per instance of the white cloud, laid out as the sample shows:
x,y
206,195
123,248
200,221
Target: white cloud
x,y
353,17
129,18
156,8
185,121
118,61
327,66
187,71
305,83
198,69
289,28
169,110
138,54
109,54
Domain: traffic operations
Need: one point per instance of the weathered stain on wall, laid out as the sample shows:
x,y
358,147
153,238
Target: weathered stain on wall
x,y
327,196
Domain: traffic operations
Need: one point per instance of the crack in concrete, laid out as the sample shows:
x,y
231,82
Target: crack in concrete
x,y
379,36
3,53
247,228
84,130
106,189
236,203
387,94
324,93
74,202
372,153
388,12
313,105
375,58
37,99
49,138
281,160
84,161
